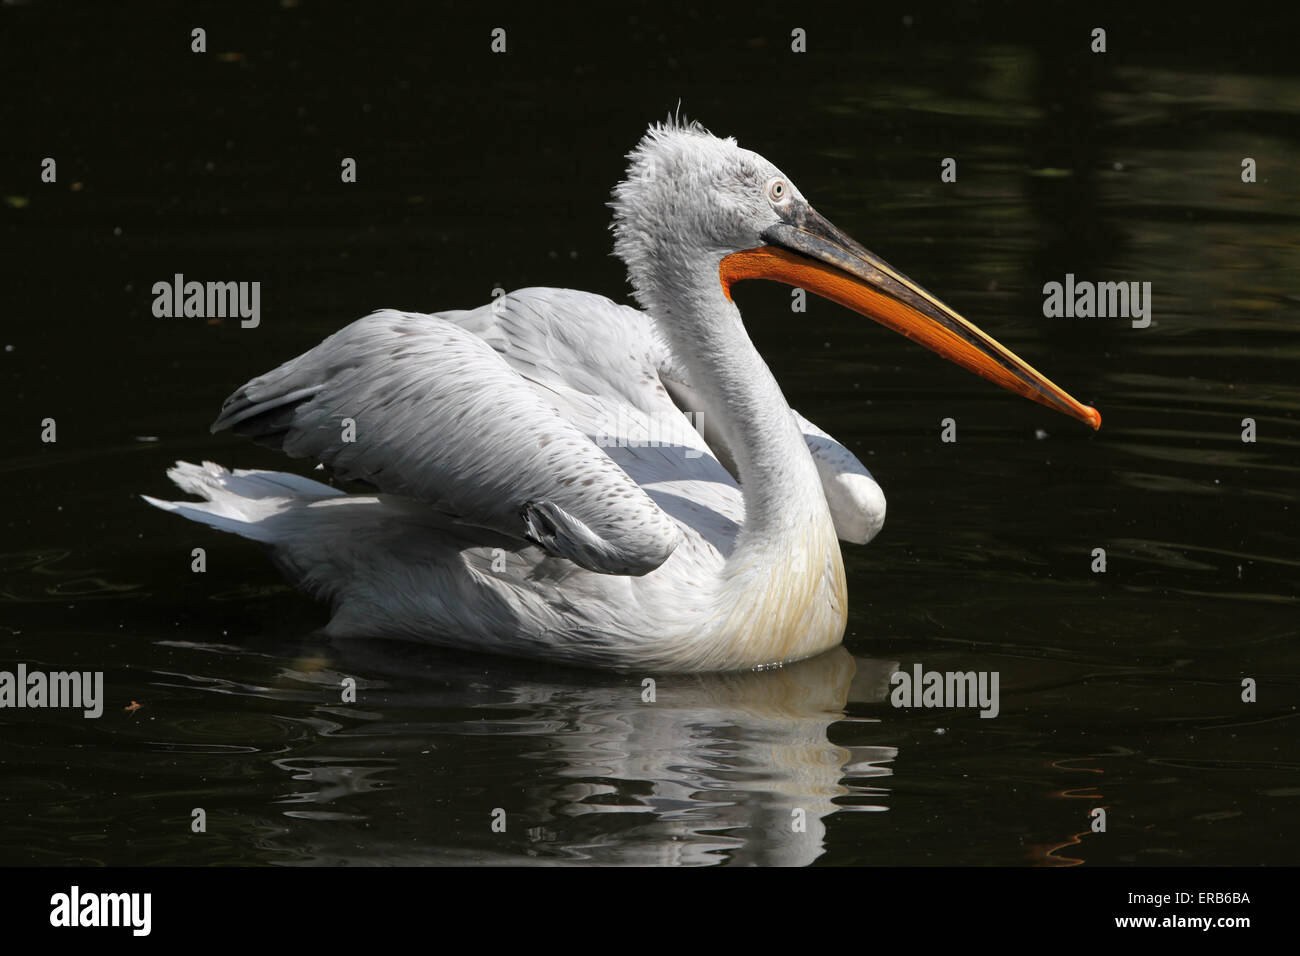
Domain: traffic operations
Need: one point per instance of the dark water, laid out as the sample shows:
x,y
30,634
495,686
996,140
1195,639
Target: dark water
x,y
1119,690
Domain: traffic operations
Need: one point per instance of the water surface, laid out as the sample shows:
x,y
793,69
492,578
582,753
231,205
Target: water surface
x,y
1118,690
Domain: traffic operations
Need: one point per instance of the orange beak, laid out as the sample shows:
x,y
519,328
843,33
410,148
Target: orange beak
x,y
812,254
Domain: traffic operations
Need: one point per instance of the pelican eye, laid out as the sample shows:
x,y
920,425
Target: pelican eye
x,y
777,190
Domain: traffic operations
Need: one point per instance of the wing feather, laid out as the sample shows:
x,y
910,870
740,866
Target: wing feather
x,y
419,406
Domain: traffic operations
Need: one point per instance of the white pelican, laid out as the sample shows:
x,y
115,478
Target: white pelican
x,y
500,515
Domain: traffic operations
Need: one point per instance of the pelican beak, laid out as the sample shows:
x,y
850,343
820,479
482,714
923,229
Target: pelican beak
x,y
812,254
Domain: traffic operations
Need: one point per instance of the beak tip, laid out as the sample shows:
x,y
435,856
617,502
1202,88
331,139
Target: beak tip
x,y
1094,417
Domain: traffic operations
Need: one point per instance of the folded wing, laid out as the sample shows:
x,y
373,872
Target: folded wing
x,y
420,406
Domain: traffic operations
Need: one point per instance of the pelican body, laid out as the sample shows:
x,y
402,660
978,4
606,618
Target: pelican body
x,y
558,476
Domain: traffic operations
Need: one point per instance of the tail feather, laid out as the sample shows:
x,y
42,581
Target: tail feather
x,y
242,501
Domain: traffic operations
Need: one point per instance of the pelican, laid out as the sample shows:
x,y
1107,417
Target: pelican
x,y
506,498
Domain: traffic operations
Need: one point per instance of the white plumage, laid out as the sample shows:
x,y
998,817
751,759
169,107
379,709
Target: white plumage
x,y
503,519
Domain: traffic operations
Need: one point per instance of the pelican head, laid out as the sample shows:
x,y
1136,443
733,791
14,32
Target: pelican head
x,y
698,213
690,195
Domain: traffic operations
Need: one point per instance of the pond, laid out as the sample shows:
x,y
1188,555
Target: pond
x,y
1120,689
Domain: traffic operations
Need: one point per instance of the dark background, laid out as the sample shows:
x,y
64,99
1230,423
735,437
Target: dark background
x,y
477,170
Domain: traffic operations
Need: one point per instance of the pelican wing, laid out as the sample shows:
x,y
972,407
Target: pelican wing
x,y
856,503
420,406
609,372
599,365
